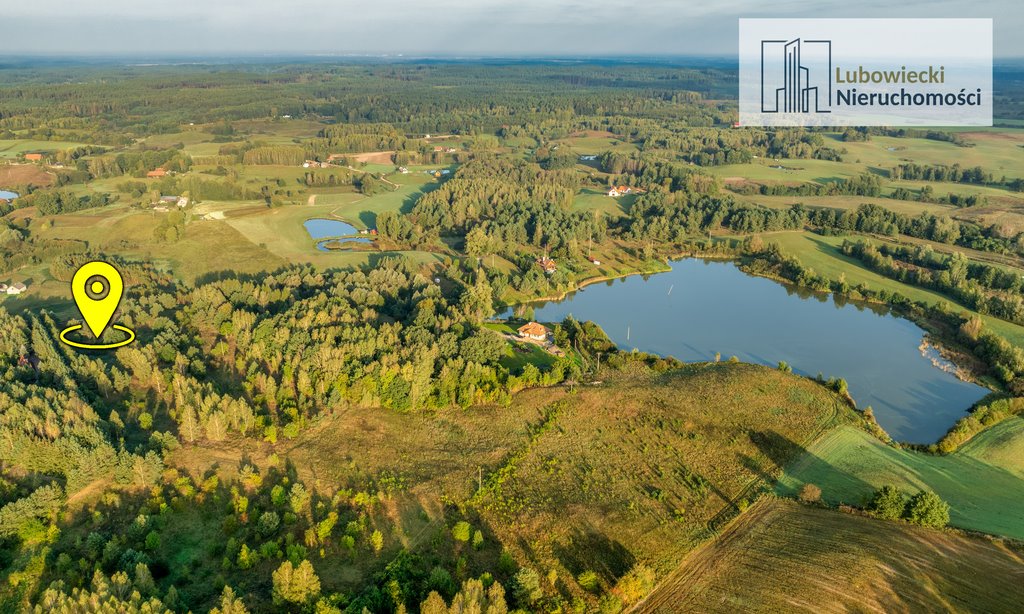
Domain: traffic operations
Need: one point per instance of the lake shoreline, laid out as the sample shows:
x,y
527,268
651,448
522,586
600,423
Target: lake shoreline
x,y
763,326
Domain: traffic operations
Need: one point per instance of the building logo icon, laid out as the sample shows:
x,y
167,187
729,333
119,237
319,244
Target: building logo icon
x,y
796,76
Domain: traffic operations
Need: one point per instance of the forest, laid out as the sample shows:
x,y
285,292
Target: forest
x,y
299,428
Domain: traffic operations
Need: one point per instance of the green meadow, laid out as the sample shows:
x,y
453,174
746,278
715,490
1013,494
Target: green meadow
x,y
983,482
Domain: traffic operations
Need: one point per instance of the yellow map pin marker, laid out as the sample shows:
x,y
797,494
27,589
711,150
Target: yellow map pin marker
x,y
97,288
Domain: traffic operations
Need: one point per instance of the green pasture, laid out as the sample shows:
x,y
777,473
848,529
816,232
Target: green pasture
x,y
983,482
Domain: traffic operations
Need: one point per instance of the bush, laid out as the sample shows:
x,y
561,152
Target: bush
x,y
810,493
635,585
927,509
268,523
462,531
589,581
888,502
526,586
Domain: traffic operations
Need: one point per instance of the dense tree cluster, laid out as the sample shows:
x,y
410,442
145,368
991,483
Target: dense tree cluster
x,y
984,288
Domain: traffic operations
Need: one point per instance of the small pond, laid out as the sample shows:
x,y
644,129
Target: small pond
x,y
319,228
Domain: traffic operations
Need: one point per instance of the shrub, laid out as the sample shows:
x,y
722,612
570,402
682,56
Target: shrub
x,y
526,586
635,585
589,581
810,493
462,531
268,523
927,509
888,502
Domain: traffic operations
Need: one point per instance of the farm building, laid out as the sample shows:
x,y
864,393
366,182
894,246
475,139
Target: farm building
x,y
158,172
619,190
33,157
16,288
594,261
533,330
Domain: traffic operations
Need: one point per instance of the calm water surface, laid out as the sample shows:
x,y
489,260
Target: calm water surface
x,y
322,229
700,308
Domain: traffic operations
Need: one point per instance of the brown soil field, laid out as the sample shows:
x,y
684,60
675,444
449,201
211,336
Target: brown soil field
x,y
782,556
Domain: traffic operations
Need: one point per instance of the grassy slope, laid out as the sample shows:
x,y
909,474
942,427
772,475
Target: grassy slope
x,y
782,556
983,482
584,494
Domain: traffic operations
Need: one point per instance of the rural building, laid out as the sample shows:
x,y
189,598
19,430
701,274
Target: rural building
x,y
17,288
547,264
533,330
594,261
403,170
159,172
619,190
34,157
3,288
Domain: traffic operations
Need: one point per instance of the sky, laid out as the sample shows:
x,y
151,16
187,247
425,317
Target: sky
x,y
439,28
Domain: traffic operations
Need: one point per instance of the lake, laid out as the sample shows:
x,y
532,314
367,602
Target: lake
x,y
700,308
319,228
6,195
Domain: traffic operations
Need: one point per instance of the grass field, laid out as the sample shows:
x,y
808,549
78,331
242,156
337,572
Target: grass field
x,y
14,147
906,207
24,174
630,470
590,199
781,556
595,142
997,152
983,482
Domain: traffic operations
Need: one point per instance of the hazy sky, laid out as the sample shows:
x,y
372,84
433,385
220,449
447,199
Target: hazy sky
x,y
436,27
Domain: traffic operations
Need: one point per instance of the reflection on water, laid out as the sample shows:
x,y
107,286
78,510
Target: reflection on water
x,y
322,228
702,308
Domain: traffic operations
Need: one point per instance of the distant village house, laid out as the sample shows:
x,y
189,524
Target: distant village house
x,y
156,173
16,288
34,157
547,265
534,331
619,190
